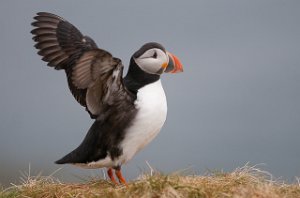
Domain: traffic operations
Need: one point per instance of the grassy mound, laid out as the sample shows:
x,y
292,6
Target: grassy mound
x,y
243,182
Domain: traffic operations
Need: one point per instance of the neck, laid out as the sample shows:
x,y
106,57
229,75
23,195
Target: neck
x,y
136,78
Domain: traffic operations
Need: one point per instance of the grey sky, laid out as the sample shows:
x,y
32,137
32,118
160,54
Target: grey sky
x,y
236,102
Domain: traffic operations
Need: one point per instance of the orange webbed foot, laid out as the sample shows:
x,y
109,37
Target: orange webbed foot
x,y
111,176
120,177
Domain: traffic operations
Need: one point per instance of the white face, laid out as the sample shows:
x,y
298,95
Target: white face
x,y
152,61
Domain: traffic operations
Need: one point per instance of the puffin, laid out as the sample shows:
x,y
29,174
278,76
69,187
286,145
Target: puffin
x,y
128,112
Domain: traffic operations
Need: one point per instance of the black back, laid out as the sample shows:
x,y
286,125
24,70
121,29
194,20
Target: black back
x,y
105,136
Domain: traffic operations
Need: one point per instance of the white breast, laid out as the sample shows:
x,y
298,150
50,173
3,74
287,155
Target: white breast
x,y
152,112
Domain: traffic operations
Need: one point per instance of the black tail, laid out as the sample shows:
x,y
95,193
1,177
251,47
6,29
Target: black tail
x,y
91,149
68,159
61,161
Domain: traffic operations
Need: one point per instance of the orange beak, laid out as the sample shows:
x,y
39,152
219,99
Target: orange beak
x,y
174,65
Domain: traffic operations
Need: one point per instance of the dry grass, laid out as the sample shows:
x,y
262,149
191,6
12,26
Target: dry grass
x,y
242,183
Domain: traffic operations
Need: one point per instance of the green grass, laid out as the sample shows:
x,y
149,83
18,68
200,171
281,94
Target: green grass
x,y
242,183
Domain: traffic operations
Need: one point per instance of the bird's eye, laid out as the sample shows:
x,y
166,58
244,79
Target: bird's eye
x,y
154,55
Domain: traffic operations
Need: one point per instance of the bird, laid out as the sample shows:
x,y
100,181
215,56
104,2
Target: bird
x,y
128,112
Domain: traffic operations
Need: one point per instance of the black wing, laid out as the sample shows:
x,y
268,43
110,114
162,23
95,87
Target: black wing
x,y
94,75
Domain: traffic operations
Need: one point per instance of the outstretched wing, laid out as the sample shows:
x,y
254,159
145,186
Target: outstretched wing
x,y
94,75
58,41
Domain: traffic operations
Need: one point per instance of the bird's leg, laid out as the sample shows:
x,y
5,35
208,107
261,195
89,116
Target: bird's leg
x,y
120,176
111,175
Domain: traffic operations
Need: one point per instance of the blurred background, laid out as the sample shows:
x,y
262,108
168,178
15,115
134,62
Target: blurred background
x,y
236,102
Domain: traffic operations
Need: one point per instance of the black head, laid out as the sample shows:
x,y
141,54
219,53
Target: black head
x,y
148,63
154,59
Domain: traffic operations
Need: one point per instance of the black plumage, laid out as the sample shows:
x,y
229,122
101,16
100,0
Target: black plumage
x,y
127,116
136,78
95,80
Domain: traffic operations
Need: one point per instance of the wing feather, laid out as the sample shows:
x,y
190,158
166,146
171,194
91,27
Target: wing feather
x,y
94,75
61,44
